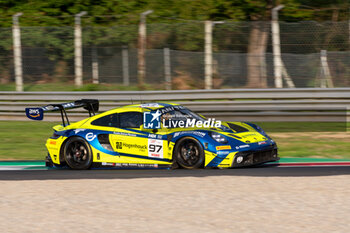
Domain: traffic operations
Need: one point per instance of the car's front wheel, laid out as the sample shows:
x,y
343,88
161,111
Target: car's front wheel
x,y
78,154
189,153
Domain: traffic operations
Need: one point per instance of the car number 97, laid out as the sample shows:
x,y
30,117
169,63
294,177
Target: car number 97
x,y
154,148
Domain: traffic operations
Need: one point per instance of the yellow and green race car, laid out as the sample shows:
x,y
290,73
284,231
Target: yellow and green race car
x,y
153,135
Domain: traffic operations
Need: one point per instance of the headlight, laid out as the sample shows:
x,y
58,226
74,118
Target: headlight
x,y
260,130
219,137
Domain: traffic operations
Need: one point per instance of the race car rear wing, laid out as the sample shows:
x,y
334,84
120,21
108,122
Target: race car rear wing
x,y
92,105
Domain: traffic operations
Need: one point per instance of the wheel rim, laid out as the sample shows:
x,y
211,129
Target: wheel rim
x,y
189,153
77,154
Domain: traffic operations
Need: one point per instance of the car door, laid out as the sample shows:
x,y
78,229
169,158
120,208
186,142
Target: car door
x,y
131,139
128,137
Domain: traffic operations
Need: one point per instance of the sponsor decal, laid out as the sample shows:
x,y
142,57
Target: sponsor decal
x,y
90,136
68,105
223,152
170,108
197,133
262,143
121,145
200,134
134,146
227,147
150,105
242,146
125,134
136,165
155,148
248,135
154,136
53,142
48,108
79,130
65,105
35,113
108,164
151,120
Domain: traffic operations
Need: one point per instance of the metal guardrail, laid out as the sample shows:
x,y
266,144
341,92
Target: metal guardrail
x,y
304,104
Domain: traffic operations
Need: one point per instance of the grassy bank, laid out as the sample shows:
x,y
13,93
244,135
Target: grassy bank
x,y
26,140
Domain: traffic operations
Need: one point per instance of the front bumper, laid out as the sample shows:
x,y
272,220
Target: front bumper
x,y
251,158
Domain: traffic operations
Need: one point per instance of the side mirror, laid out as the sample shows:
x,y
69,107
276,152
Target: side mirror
x,y
149,130
155,131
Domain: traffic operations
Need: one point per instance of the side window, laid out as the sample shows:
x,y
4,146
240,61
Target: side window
x,y
130,119
109,120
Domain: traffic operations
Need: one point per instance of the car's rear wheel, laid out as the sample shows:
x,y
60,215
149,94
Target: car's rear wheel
x,y
78,154
189,153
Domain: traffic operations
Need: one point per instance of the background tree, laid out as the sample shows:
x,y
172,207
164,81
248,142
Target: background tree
x,y
177,24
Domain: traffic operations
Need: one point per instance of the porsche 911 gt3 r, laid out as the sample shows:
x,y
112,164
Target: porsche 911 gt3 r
x,y
152,135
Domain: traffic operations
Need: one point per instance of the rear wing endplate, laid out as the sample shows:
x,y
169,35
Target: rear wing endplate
x,y
92,105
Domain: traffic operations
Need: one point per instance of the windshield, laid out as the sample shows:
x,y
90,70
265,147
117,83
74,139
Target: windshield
x,y
182,115
178,113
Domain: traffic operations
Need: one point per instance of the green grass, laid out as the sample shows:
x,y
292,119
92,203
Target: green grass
x,y
303,126
310,139
321,145
26,140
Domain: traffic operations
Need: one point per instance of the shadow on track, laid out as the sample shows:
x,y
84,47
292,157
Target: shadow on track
x,y
264,171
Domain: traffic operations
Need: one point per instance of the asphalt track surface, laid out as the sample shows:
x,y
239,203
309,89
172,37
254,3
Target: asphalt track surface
x,y
262,171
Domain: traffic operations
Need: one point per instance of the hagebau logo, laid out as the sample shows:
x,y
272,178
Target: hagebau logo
x,y
151,120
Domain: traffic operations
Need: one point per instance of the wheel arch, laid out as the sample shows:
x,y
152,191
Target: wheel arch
x,y
191,136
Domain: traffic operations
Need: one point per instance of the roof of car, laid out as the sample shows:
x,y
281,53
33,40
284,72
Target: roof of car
x,y
138,107
150,106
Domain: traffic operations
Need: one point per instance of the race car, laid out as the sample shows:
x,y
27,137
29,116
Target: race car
x,y
152,135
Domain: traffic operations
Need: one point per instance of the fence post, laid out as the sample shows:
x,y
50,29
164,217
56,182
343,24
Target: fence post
x,y
141,66
167,68
208,54
125,63
17,52
78,64
326,78
349,28
277,60
94,58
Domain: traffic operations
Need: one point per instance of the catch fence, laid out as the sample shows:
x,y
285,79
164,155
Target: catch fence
x,y
110,54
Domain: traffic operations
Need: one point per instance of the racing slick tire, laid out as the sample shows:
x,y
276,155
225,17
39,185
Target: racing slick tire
x,y
77,153
189,153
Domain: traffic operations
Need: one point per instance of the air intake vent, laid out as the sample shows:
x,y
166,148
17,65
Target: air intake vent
x,y
235,136
104,141
237,128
